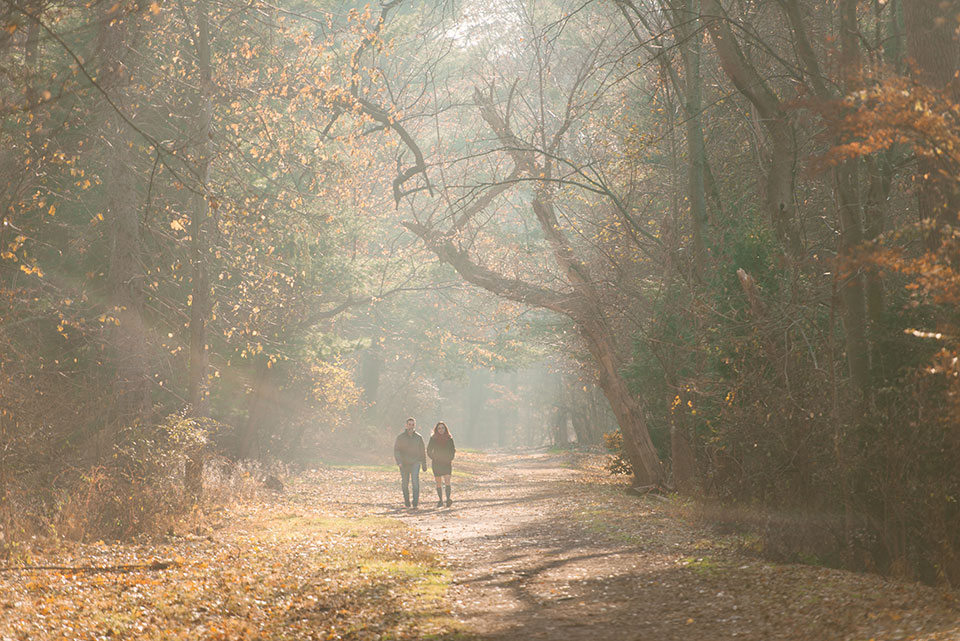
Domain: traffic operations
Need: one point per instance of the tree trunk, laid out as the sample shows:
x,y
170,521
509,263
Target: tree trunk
x,y
933,43
248,443
116,36
126,282
682,457
933,46
594,327
684,18
849,201
851,291
371,365
627,409
582,303
779,188
560,426
846,186
31,60
689,26
200,297
880,178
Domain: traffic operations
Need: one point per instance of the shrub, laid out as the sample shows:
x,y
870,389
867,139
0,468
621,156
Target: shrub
x,y
619,464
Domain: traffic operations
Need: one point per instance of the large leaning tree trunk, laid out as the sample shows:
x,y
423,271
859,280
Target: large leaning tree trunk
x,y
626,407
581,302
593,327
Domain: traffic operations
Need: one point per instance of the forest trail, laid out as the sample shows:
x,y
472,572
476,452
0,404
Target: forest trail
x,y
537,545
545,551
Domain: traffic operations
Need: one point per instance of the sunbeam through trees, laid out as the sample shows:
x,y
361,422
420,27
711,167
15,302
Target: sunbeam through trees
x,y
712,243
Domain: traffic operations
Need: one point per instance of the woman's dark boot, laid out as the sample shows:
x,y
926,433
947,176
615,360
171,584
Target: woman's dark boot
x,y
447,488
440,497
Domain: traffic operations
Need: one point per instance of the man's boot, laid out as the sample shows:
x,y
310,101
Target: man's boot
x,y
447,488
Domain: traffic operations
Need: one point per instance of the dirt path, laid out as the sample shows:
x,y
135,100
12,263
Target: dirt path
x,y
536,546
541,550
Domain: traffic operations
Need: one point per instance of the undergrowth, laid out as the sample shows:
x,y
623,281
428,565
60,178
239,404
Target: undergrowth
x,y
271,568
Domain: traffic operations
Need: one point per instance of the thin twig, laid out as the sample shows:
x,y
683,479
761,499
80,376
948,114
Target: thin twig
x,y
129,567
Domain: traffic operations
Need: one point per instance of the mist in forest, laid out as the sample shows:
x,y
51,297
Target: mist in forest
x,y
714,237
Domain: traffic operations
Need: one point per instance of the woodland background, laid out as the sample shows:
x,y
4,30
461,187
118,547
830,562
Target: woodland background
x,y
243,234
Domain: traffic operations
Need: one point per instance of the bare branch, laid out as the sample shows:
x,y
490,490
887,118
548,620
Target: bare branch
x,y
510,288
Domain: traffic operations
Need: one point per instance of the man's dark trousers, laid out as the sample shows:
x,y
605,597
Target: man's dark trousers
x,y
410,473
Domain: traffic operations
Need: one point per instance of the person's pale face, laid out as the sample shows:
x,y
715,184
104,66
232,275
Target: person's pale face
x,y
410,426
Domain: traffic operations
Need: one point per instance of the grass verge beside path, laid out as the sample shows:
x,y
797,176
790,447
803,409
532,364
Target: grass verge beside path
x,y
287,567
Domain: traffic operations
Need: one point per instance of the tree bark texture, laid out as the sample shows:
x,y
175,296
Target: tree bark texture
x,y
626,408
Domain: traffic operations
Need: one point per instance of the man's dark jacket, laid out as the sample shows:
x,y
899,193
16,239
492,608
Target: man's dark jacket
x,y
409,450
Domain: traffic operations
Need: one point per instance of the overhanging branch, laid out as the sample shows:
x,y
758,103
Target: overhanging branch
x,y
509,288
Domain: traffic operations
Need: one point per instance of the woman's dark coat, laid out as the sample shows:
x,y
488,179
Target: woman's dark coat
x,y
441,453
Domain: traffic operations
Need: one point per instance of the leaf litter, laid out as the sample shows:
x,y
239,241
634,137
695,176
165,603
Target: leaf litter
x,y
536,546
283,567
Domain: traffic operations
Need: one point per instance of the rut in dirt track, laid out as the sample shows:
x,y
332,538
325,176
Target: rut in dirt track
x,y
541,550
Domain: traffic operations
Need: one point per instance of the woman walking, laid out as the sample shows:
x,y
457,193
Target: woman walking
x,y
440,449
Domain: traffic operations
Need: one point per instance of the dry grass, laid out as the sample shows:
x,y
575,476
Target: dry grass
x,y
268,568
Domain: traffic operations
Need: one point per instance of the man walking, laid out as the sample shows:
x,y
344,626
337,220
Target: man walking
x,y
411,458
